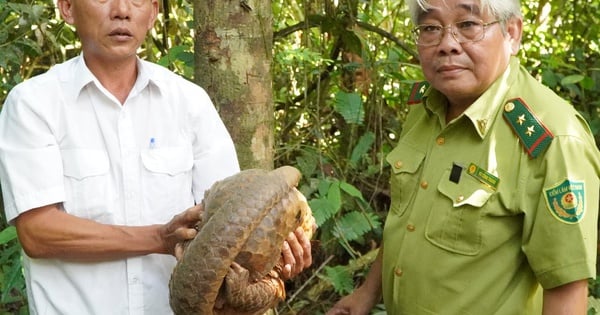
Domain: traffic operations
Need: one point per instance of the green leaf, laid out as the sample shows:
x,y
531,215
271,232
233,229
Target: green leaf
x,y
334,195
571,79
351,190
549,78
8,234
307,163
362,147
324,187
354,225
322,210
350,106
340,279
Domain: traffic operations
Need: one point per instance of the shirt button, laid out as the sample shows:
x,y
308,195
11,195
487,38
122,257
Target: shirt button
x,y
460,198
398,272
410,228
440,140
424,184
398,164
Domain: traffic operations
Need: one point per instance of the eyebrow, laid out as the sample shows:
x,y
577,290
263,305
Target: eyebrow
x,y
472,8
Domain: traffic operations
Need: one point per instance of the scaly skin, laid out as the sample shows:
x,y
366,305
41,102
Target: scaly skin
x,y
246,218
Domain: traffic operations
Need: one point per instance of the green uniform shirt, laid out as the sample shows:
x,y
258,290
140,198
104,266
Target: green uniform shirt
x,y
477,225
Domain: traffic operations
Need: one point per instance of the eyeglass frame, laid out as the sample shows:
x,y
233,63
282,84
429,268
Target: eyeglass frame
x,y
416,31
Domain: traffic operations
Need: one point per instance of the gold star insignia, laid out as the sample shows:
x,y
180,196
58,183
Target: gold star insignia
x,y
530,130
521,119
482,123
423,88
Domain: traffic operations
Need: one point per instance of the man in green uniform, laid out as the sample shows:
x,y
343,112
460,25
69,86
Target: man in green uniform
x,y
494,181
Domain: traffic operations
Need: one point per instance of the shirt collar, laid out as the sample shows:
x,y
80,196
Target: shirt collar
x,y
78,73
483,111
485,108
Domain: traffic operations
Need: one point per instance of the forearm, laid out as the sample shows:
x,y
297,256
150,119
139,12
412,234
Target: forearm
x,y
371,288
48,232
568,299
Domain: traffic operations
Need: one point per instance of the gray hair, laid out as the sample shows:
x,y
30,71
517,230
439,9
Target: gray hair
x,y
501,9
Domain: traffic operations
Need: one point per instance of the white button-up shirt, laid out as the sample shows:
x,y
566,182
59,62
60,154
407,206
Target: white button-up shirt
x,y
65,139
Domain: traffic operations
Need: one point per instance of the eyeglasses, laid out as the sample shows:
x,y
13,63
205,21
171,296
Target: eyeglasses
x,y
463,32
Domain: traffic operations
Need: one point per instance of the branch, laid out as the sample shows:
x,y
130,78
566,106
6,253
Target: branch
x,y
306,24
310,24
389,36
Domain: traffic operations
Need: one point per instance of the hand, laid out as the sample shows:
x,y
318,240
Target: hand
x,y
296,254
357,303
181,228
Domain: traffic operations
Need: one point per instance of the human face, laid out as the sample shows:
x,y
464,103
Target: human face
x,y
464,71
110,30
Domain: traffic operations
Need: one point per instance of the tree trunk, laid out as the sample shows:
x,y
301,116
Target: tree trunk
x,y
233,53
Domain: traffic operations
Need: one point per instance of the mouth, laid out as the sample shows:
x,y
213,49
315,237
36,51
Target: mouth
x,y
120,33
450,68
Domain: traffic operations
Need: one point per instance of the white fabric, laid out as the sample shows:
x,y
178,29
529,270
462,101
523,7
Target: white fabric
x,y
65,139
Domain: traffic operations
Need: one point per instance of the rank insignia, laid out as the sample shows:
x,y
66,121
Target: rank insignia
x,y
534,136
566,201
417,92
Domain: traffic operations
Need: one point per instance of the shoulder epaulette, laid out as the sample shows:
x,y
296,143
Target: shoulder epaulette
x,y
535,137
417,91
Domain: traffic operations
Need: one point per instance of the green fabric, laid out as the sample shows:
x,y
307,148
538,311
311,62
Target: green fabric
x,y
455,244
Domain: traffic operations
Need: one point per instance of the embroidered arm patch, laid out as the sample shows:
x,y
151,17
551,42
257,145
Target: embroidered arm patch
x,y
566,201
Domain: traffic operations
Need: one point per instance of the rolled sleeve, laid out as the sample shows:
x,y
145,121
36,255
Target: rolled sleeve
x,y
30,160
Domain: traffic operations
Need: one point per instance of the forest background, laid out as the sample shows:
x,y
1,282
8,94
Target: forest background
x,y
342,71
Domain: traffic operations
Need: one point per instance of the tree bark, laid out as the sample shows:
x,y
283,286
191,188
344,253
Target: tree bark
x,y
233,54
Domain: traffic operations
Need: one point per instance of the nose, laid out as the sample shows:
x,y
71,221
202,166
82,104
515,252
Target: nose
x,y
449,43
121,9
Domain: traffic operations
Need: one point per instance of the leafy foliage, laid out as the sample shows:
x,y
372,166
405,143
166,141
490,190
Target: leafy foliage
x,y
12,285
341,279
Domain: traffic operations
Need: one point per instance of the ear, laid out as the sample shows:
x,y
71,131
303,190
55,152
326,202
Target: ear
x,y
154,15
514,29
64,7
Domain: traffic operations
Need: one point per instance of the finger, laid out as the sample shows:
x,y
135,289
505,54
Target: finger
x,y
286,272
193,214
184,234
306,247
298,253
178,251
288,261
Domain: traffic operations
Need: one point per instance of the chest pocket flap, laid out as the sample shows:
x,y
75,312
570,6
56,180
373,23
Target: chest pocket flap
x,y
405,162
82,163
405,159
468,192
170,160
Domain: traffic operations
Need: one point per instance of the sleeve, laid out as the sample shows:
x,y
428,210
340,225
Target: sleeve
x,y
31,172
214,152
560,232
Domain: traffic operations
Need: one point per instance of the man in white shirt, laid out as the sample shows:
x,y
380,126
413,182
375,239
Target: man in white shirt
x,y
99,159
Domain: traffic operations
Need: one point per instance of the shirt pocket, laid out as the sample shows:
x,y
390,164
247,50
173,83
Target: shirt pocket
x,y
455,220
405,162
170,161
167,181
89,192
